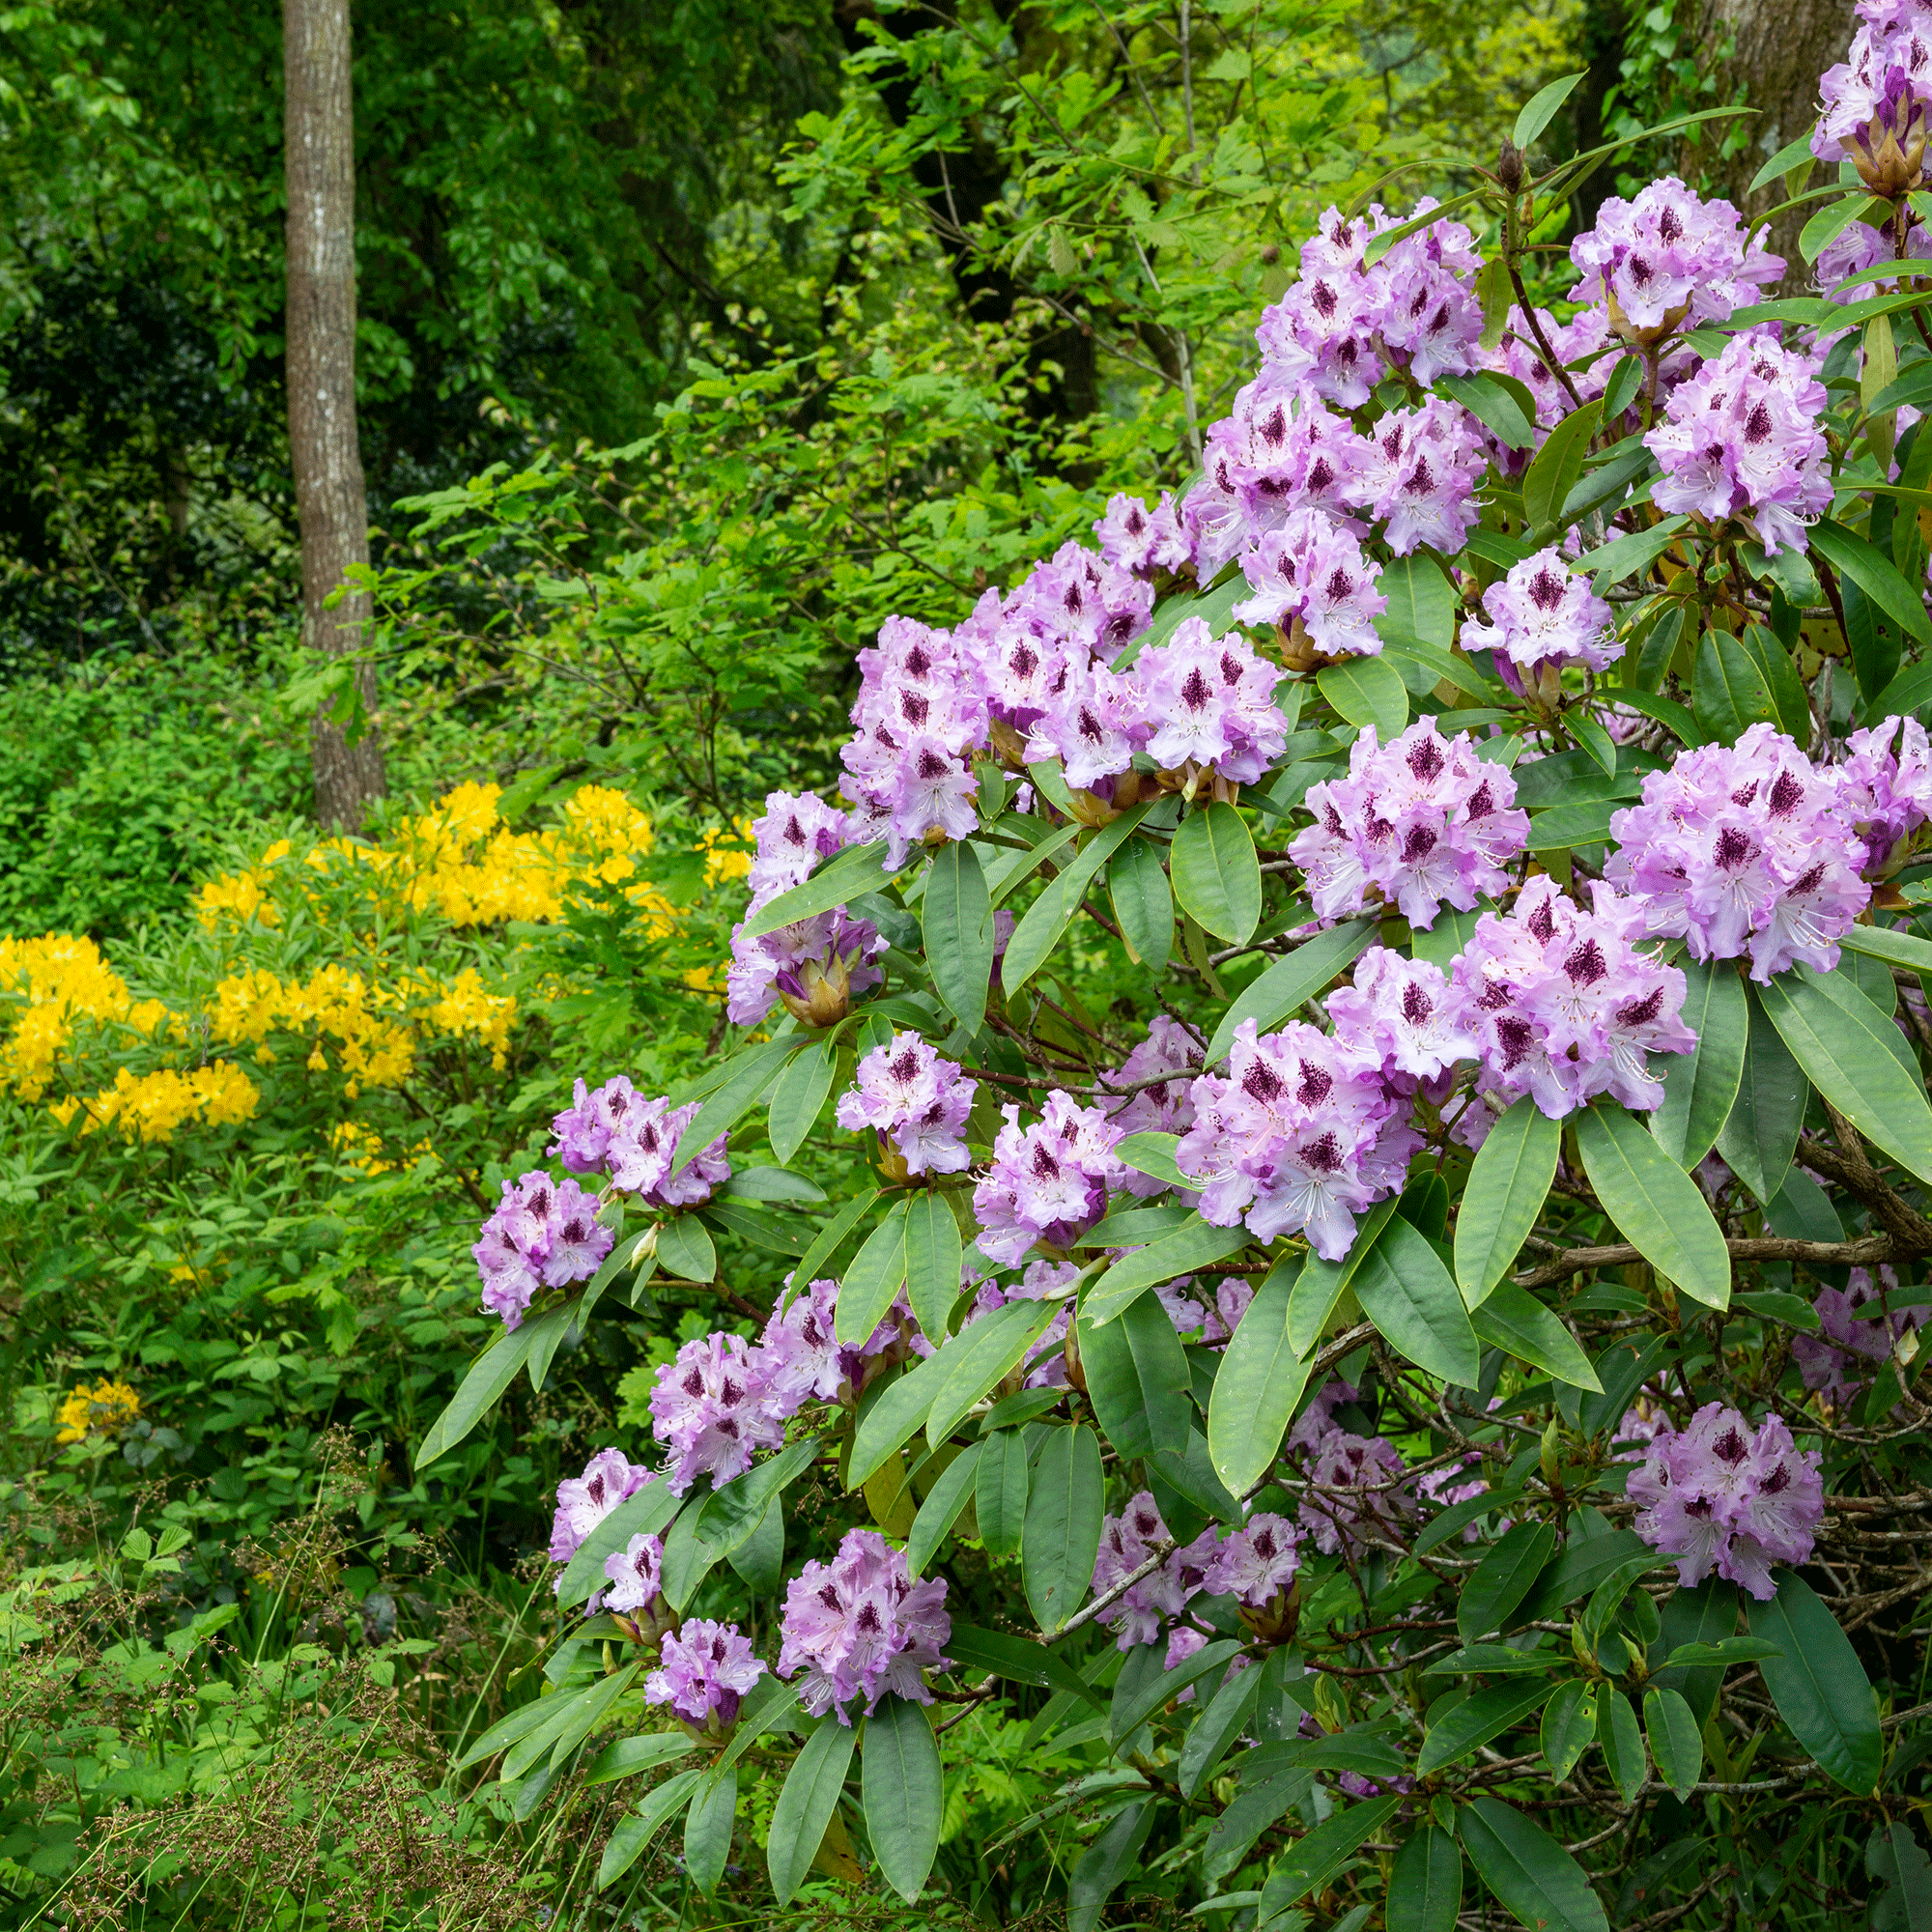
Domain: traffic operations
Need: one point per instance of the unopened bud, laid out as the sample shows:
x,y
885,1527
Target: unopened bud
x,y
1509,166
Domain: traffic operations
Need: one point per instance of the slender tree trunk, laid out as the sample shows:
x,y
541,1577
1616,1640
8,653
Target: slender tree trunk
x,y
329,498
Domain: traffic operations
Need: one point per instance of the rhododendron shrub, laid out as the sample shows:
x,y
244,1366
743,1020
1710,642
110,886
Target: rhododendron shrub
x,y
1339,1092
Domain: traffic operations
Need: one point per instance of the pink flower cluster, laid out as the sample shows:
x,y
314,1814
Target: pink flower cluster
x,y
1417,822
1257,1564
1310,570
915,1100
1142,541
1741,438
1719,1495
618,1133
860,1627
542,1233
1562,1004
1542,613
1206,703
1049,1182
1746,847
584,1501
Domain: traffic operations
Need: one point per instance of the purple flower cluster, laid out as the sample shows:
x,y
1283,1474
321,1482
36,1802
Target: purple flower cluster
x,y
1257,1564
713,1409
860,1627
1563,1004
1401,1009
1049,1182
1358,1492
915,1101
1744,847
1143,542
543,1234
1875,102
617,1132
1208,704
1127,1542
1303,1133
1886,787
1839,1361
1542,615
1164,1107
799,1357
584,1501
1719,1495
1416,822
705,1671
1666,258
1309,571
636,1589
1740,438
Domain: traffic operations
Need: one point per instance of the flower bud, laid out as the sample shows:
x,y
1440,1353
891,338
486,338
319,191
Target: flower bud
x,y
815,993
1508,167
1888,150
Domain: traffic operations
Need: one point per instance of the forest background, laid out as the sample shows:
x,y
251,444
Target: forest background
x,y
694,339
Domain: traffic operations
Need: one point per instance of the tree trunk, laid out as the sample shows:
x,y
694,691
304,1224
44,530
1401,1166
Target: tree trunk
x,y
1782,48
329,498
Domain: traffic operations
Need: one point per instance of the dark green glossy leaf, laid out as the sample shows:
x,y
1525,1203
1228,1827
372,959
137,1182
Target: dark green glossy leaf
x,y
1367,691
1217,875
904,1792
1528,1871
1143,902
1875,575
1700,1088
1260,1381
1502,1580
1760,1132
873,1280
1477,1718
806,1805
1214,1731
747,1076
1000,1490
1099,1869
707,1827
798,1098
957,917
1512,1318
1050,915
1655,1206
635,1830
1197,1245
484,1382
1548,480
1818,1684
1503,1196
1292,979
1316,1858
1426,1887
1675,1746
1138,1381
1137,1698
1621,1742
942,1507
933,1250
1407,1293
1020,1660
1062,1526
980,1356
1728,692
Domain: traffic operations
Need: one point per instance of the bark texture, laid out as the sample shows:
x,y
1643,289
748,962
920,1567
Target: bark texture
x,y
331,501
1783,47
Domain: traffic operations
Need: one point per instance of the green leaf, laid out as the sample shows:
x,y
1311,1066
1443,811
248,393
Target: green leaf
x,y
1563,827
797,1097
759,1560
1728,692
1477,1718
902,1408
943,1504
1528,1871
1495,408
1197,1245
1049,916
1539,110
1317,1857
1063,1525
1625,556
1793,155
1841,1041
1020,1660
1138,1695
1421,605
1581,1568
1503,1196
1292,978
1320,1286
1655,1206
1622,1742
1138,1380
1675,1746
1791,711
1426,1887
1502,1580
1099,1870
873,1280
1819,1686
1673,717
486,1380
804,1807
631,1757
859,868
707,1827
933,1251
1512,1318
1883,942
1559,463
635,1830
904,1792
1597,741
1568,1724
685,1251
1620,391
1217,875
572,1718
731,1514
1701,1086
957,917
747,1075
1217,1727
1260,1381
1760,1132
1874,573
645,1514
1153,1154
1000,1490
1407,1293
980,1356
1143,902
1367,691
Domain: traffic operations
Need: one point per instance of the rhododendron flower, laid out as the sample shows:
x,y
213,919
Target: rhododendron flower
x,y
707,1668
1049,1182
584,1501
1543,614
1669,257
914,1099
859,1626
713,1409
543,1234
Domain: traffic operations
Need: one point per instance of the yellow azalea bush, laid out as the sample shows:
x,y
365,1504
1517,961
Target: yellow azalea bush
x,y
109,1405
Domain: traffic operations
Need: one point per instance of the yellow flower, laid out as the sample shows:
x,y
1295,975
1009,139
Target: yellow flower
x,y
108,1406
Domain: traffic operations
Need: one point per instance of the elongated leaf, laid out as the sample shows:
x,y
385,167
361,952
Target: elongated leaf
x,y
1260,1381
1505,1193
1063,1525
1479,1718
1316,1858
1844,1043
685,1251
1581,1568
1495,408
573,1718
859,868
1215,1730
707,1827
1217,875
1426,1888
1655,1206
1153,1154
1049,916
1563,827
1675,1746
899,1410
1197,1245
806,1805
1503,1578
1597,741
1728,692
748,1074
904,1792
482,1384
1000,1490
1624,556
1367,691
1138,1380
645,1514
1138,1695
1528,1871
1514,1320
1760,1133
980,1356
874,1281
942,1508
933,1250
1700,1088
1621,1742
956,915
1100,1869
1781,676
732,1514
1569,1723
798,1098
1019,1661
1539,110
632,1757
1883,942
1292,979
829,1238
1421,606
1559,463
1263,1798
1143,902
1407,1293
634,1831
1818,1684
1321,1283
1874,573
